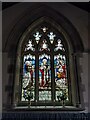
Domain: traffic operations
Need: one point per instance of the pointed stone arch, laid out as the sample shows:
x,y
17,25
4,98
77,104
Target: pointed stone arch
x,y
39,14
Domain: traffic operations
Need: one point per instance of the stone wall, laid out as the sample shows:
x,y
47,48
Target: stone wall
x,y
12,21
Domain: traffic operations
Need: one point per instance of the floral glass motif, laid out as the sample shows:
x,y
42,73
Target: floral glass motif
x,y
29,46
44,46
28,79
44,77
37,36
51,36
60,76
59,46
44,29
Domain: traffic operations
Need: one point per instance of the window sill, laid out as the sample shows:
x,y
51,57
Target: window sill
x,y
48,108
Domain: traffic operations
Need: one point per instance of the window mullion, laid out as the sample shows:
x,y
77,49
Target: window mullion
x,y
37,77
52,78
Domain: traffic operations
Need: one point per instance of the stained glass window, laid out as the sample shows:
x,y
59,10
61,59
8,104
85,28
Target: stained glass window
x,y
61,84
37,36
28,81
29,46
44,29
51,36
59,46
44,77
44,67
44,46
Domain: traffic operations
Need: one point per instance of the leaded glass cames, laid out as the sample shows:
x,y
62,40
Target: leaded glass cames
x,y
51,59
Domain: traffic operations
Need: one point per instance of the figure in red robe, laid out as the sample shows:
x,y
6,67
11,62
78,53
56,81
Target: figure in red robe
x,y
42,81
44,73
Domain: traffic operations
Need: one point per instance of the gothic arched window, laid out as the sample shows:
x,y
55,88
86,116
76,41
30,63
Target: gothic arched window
x,y
45,67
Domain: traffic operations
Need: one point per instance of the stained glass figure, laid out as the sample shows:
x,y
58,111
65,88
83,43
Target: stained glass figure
x,y
44,29
29,46
28,81
44,77
37,36
44,46
60,74
59,46
51,36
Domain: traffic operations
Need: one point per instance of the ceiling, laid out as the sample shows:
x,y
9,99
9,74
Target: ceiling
x,y
81,5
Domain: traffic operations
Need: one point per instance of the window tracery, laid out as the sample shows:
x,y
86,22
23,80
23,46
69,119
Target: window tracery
x,y
46,78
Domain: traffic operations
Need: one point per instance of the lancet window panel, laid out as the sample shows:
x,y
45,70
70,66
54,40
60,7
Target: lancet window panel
x,y
28,77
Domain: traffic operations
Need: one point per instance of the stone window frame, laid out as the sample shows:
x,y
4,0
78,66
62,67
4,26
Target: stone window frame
x,y
72,68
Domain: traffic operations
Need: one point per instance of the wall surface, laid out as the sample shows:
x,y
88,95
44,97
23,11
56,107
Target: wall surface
x,y
11,16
